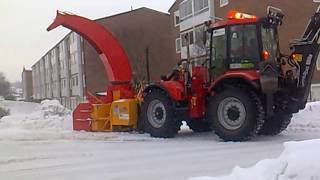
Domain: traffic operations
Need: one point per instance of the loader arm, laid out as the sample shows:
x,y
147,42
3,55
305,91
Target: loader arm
x,y
309,47
113,56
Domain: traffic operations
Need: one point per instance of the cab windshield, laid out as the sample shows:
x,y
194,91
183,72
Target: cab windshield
x,y
270,42
244,49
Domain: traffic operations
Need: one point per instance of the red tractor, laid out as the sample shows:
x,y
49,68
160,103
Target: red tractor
x,y
245,87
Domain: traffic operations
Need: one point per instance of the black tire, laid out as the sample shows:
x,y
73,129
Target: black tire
x,y
236,114
199,125
276,124
157,115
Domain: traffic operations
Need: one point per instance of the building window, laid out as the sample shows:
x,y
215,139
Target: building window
x,y
178,45
74,81
187,36
62,64
73,58
200,40
201,6
185,10
224,3
176,18
199,35
73,38
77,81
63,83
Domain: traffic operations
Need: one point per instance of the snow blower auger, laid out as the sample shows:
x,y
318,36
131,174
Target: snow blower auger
x,y
118,110
245,86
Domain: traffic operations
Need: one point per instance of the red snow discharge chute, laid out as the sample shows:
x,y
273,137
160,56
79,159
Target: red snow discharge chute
x,y
113,56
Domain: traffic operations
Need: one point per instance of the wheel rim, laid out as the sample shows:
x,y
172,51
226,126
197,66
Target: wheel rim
x,y
231,113
156,113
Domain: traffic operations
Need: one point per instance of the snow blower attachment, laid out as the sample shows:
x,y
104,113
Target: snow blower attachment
x,y
245,86
118,109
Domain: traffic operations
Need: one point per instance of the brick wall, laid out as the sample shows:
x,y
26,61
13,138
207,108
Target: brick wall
x,y
136,30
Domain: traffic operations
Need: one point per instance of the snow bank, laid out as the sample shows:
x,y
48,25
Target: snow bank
x,y
49,120
43,121
19,107
50,115
307,119
299,161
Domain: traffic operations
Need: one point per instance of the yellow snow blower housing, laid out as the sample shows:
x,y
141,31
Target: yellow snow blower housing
x,y
120,115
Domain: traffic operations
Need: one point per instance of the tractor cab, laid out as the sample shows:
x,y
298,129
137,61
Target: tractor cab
x,y
243,41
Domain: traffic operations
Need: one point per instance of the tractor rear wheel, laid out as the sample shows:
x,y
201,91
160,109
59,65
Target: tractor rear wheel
x,y
157,115
276,124
199,125
236,114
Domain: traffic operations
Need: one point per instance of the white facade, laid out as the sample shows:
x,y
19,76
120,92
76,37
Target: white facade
x,y
192,15
315,92
27,90
59,74
55,73
36,81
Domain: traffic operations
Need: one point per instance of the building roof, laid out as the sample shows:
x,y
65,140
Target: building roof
x,y
177,2
26,70
128,12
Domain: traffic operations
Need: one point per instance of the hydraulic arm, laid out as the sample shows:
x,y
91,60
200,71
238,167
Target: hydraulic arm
x,y
308,48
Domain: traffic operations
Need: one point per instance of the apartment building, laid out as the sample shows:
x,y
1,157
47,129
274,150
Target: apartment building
x,y
27,88
72,67
188,17
58,73
175,28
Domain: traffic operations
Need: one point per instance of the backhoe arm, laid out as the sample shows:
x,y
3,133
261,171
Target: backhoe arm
x,y
309,47
111,53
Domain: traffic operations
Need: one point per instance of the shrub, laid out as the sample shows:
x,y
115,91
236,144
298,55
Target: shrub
x,y
10,98
4,112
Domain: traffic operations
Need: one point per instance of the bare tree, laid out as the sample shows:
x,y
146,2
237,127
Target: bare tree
x,y
4,86
139,72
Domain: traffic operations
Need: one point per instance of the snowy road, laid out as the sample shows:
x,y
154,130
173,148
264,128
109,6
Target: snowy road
x,y
188,155
82,156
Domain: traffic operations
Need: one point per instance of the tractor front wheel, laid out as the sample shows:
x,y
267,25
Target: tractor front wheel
x,y
236,114
157,115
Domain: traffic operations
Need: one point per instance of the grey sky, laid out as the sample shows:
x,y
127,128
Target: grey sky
x,y
24,38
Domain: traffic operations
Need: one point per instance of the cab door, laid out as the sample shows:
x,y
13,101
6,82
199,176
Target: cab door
x,y
218,52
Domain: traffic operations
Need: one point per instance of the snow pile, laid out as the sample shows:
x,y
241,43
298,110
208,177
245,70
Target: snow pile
x,y
307,119
46,121
49,120
299,161
19,107
52,108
